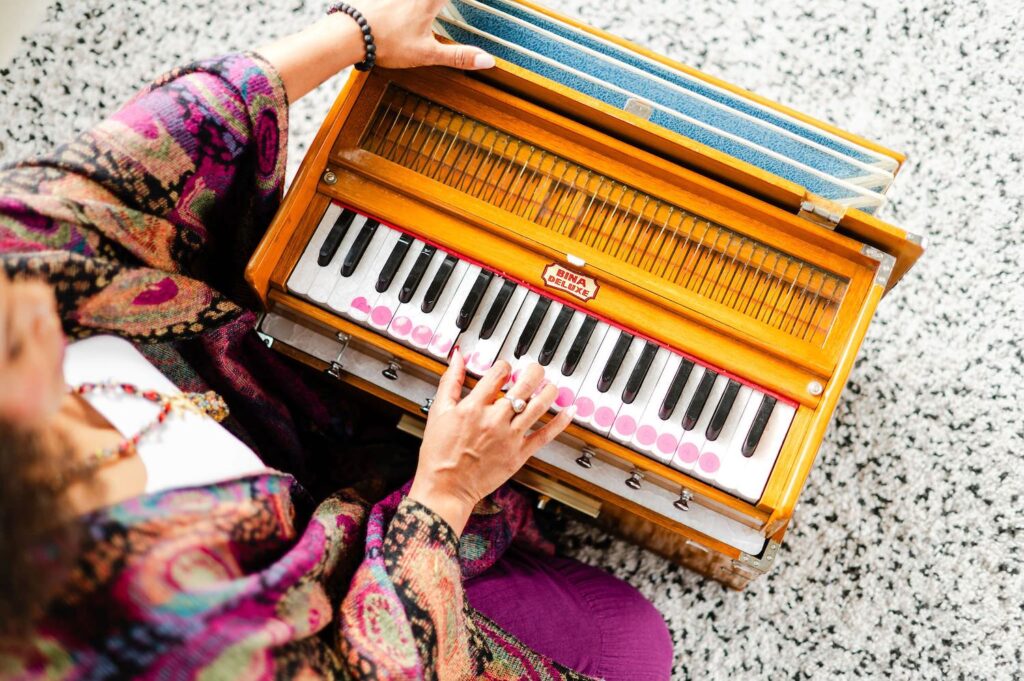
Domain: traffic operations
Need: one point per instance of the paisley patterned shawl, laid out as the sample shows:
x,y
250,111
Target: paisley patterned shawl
x,y
144,225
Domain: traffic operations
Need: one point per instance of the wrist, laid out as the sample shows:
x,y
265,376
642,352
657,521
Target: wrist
x,y
369,55
450,508
343,36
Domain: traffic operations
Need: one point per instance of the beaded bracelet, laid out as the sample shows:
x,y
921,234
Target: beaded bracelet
x,y
364,26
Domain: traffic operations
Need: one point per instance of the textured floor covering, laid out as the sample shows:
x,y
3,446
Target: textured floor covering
x,y
905,559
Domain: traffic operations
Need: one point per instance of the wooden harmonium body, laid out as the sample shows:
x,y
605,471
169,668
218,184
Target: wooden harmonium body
x,y
694,267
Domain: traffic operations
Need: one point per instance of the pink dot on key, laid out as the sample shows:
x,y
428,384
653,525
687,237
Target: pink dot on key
x,y
441,346
361,304
421,336
584,407
604,417
381,315
688,452
625,425
476,365
667,443
564,397
401,326
513,378
709,462
646,435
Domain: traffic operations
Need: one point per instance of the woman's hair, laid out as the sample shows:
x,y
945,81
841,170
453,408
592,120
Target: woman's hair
x,y
36,549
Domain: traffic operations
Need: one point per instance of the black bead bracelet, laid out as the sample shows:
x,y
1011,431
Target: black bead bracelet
x,y
364,26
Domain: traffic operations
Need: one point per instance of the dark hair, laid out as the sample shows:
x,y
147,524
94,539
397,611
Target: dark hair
x,y
37,542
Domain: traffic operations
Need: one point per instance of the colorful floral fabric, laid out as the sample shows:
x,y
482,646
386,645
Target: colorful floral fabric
x,y
144,225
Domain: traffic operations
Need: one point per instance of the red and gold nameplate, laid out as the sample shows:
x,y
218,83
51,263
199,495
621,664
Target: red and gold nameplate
x,y
575,284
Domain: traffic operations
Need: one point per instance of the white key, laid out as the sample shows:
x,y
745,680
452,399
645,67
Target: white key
x,y
515,330
721,460
382,310
628,419
411,324
752,479
688,454
306,269
533,350
352,295
650,425
469,338
670,431
447,331
597,409
481,353
569,386
328,277
553,371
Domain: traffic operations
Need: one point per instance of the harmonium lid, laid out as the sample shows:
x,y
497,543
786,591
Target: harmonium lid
x,y
719,130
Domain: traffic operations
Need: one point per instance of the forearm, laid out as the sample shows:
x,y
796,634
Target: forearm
x,y
306,59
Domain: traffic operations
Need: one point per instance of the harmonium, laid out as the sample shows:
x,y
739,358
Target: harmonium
x,y
694,266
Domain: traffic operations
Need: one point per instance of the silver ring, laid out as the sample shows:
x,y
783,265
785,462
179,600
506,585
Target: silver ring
x,y
518,404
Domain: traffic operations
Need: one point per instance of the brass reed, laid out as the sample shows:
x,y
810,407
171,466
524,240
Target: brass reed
x,y
677,245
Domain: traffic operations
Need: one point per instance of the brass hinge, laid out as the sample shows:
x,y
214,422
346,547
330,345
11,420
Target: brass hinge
x,y
821,211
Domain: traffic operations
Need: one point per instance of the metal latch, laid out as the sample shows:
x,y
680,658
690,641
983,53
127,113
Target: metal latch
x,y
335,367
821,211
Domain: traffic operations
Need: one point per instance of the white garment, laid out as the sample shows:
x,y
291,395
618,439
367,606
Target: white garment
x,y
189,450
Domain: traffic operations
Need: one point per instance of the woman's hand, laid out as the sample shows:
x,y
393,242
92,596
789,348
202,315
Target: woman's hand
x,y
401,33
473,445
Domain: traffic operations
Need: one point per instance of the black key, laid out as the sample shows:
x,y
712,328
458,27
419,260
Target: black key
x,y
330,245
532,325
394,261
611,367
636,379
722,411
441,277
412,282
572,358
469,307
700,397
554,339
355,254
668,405
497,309
757,427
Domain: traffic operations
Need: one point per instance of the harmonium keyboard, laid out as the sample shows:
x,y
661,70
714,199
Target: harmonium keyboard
x,y
695,268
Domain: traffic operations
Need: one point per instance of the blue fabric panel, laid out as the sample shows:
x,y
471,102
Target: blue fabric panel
x,y
661,93
672,76
818,185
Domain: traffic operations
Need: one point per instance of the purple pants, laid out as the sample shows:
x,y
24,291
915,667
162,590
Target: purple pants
x,y
575,614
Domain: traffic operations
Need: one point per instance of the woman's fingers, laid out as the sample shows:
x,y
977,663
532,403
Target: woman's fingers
x,y
449,389
548,432
462,57
535,408
527,382
489,384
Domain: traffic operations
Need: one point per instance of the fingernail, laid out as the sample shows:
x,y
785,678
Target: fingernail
x,y
483,61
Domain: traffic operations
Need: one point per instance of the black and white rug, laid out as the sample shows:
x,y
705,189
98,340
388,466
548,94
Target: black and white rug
x,y
905,557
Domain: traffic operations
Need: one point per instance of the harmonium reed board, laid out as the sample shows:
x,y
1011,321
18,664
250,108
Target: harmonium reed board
x,y
695,268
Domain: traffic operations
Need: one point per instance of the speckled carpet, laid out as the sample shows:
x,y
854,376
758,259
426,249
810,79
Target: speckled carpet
x,y
905,557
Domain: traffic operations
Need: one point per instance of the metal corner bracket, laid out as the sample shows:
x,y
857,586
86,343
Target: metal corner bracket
x,y
885,261
762,564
